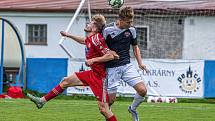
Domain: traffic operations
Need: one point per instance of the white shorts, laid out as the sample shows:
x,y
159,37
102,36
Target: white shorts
x,y
128,73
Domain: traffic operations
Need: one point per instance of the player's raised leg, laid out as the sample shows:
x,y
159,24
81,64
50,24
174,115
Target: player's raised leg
x,y
71,80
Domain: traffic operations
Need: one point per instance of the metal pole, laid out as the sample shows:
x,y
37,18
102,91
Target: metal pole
x,y
22,67
2,59
68,28
89,10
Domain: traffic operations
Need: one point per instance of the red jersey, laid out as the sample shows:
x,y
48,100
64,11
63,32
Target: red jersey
x,y
96,47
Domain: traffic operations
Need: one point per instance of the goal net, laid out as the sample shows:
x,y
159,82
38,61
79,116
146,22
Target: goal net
x,y
165,29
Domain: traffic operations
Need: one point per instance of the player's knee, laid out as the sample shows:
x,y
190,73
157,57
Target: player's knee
x,y
142,91
102,110
65,82
105,111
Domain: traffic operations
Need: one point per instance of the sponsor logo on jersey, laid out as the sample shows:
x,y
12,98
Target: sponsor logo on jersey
x,y
127,34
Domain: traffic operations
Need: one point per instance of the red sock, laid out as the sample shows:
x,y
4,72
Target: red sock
x,y
112,118
53,93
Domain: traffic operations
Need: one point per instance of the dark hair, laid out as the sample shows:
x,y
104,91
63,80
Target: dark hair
x,y
126,13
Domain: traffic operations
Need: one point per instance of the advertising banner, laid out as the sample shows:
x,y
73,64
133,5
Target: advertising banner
x,y
179,78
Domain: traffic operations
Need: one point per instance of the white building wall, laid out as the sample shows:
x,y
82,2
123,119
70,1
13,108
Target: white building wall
x,y
56,22
199,38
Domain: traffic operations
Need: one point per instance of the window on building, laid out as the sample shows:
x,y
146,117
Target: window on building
x,y
142,39
36,34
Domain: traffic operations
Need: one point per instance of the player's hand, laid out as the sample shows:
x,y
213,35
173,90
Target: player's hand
x,y
115,55
89,62
65,34
143,67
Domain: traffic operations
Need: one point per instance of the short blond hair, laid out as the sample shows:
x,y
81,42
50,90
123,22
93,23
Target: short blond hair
x,y
126,13
100,21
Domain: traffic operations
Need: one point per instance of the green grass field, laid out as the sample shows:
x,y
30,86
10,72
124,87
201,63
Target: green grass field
x,y
86,110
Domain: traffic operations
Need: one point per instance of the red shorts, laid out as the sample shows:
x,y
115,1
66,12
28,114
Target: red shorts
x,y
89,78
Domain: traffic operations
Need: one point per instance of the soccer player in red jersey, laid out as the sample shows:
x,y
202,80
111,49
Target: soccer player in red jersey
x,y
97,53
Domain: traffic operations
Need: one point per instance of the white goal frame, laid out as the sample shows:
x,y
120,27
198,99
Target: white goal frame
x,y
68,28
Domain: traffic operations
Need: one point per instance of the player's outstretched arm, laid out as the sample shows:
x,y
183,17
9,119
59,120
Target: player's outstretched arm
x,y
76,38
110,55
137,55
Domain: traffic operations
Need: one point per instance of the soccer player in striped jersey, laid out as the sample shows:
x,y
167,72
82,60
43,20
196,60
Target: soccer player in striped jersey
x,y
97,53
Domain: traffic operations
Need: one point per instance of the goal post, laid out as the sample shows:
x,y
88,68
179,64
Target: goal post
x,y
68,28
